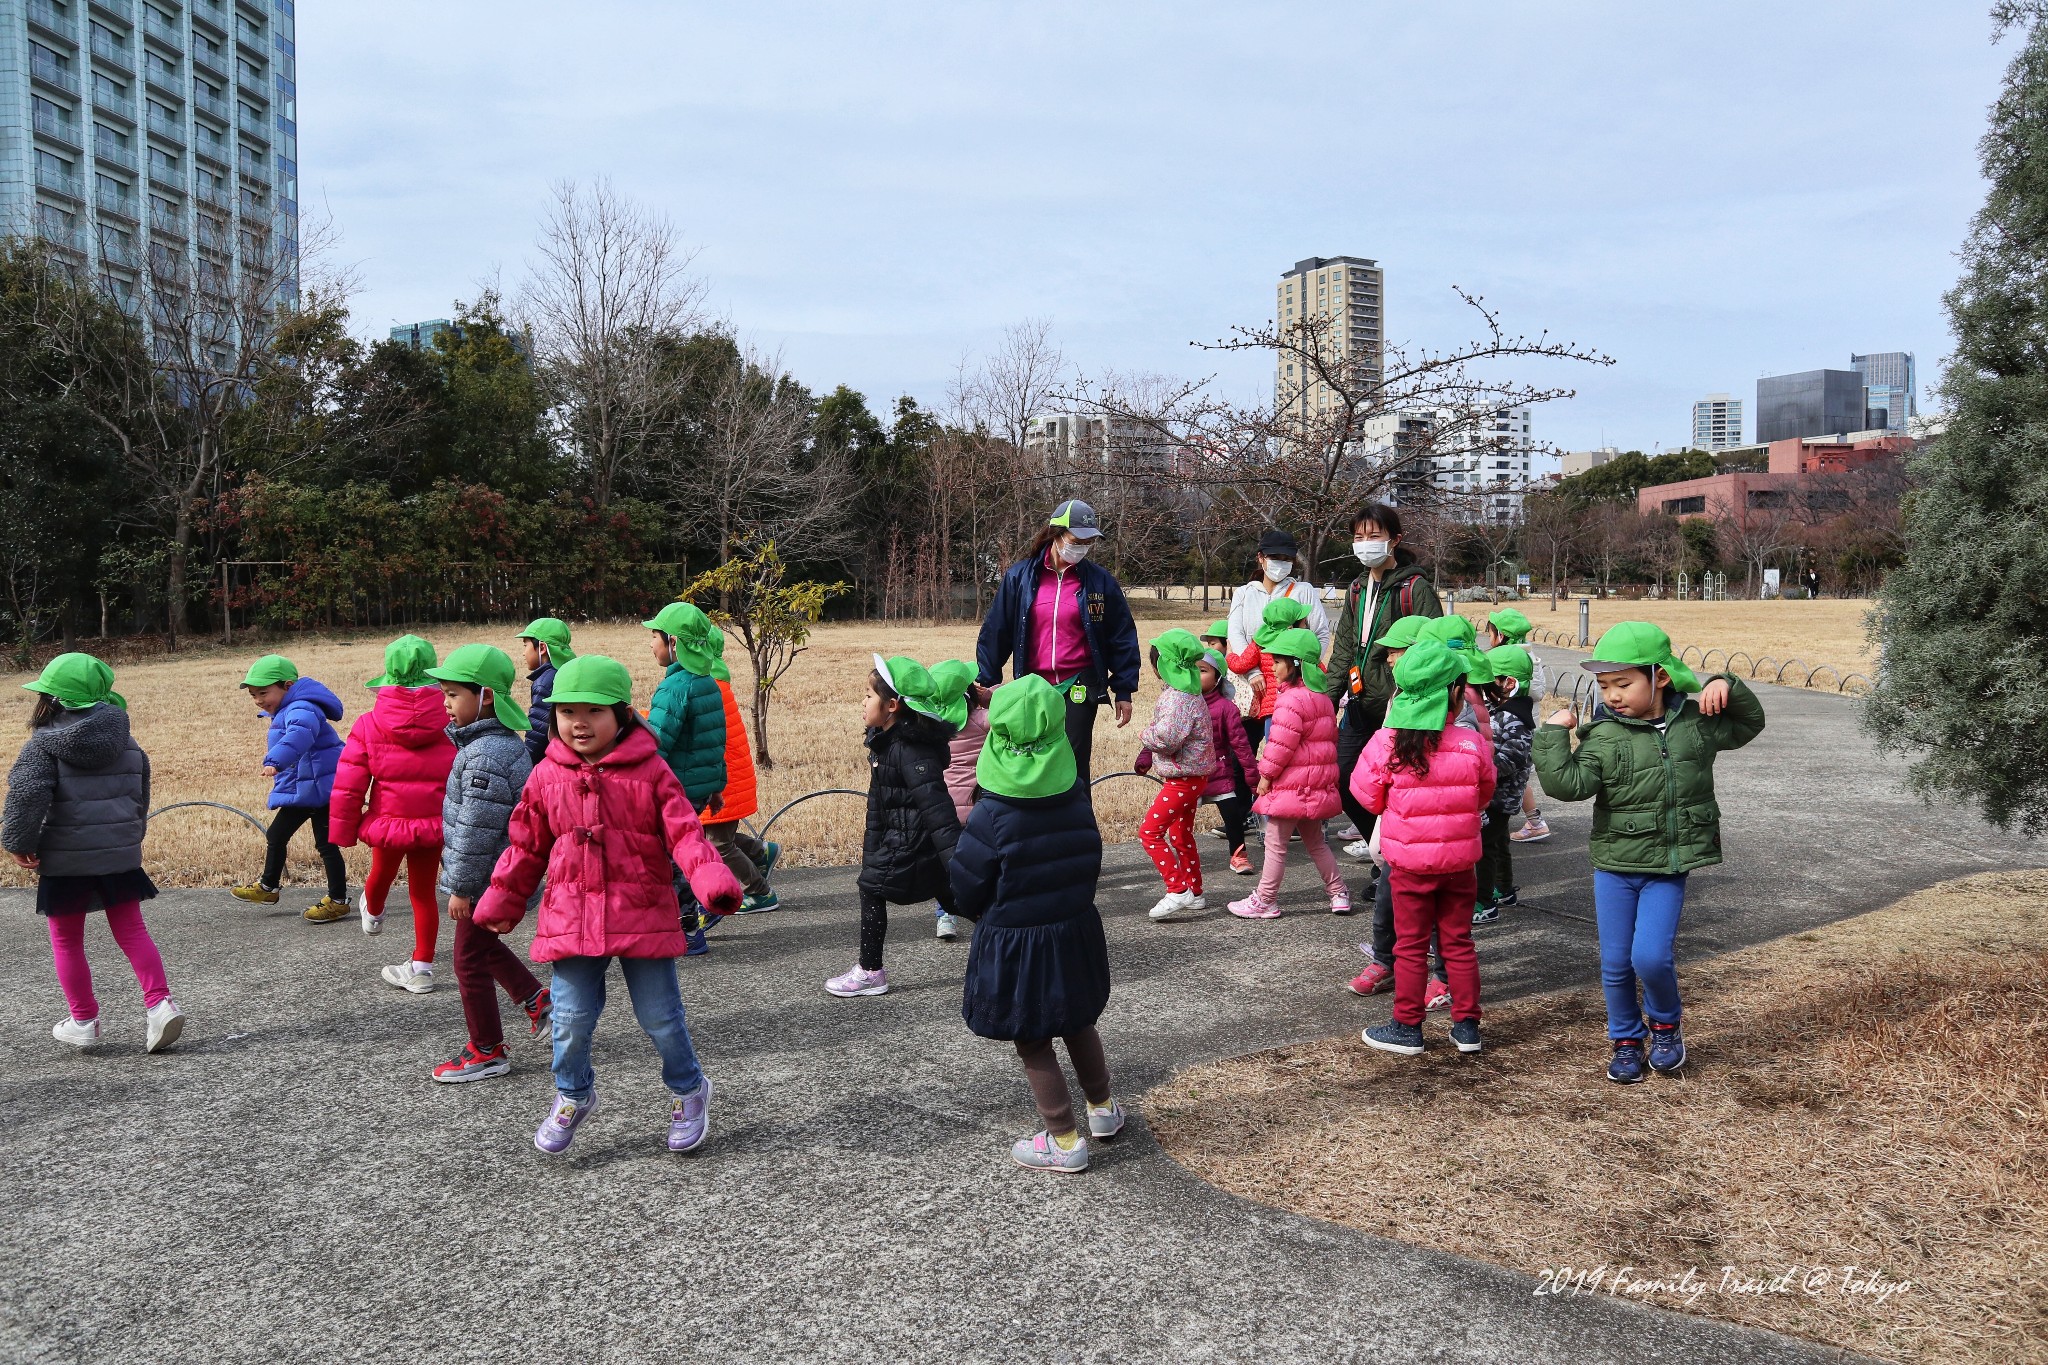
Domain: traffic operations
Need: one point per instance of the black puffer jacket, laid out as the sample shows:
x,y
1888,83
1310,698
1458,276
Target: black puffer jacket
x,y
78,797
912,825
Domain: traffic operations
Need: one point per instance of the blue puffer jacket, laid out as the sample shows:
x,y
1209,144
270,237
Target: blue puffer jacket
x,y
1106,620
303,746
1026,869
539,712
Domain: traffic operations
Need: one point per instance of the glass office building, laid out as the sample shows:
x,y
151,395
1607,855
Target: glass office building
x,y
1888,389
1815,403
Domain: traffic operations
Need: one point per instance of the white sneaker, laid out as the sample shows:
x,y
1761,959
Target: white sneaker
x,y
409,976
1196,901
166,1023
1173,903
373,925
1350,832
1359,849
949,927
76,1034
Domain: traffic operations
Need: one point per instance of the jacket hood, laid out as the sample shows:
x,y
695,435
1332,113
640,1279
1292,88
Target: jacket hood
x,y
476,729
87,739
316,693
636,745
412,717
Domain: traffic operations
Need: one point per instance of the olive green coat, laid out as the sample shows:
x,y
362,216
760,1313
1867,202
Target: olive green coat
x,y
1653,790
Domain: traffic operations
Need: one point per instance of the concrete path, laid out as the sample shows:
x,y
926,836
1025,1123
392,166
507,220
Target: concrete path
x,y
288,1185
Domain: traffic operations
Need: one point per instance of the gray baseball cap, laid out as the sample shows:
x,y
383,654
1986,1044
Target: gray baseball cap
x,y
1078,517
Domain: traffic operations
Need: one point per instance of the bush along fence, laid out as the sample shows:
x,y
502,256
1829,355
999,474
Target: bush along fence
x,y
330,595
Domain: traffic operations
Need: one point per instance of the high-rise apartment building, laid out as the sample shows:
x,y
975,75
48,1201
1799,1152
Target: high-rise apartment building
x,y
153,134
1813,403
1888,389
1482,466
1344,292
1716,422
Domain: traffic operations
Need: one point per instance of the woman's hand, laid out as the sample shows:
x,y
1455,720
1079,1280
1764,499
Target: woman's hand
x,y
1123,713
1567,717
460,907
1259,683
1714,697
27,860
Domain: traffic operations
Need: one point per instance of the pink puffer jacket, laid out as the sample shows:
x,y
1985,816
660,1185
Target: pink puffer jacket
x,y
965,748
398,755
1300,757
604,833
1429,822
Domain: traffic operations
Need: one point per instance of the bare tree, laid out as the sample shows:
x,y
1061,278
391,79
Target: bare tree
x,y
1494,535
1552,530
1657,542
1757,535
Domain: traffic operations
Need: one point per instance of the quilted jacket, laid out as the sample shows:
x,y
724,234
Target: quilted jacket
x,y
491,768
688,719
397,755
1300,757
1429,821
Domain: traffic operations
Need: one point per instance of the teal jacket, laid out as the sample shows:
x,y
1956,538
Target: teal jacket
x,y
688,719
1653,789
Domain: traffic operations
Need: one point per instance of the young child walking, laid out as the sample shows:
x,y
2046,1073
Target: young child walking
x,y
1646,757
747,858
964,704
912,826
1177,749
1038,968
77,806
544,648
1230,786
687,717
490,770
1255,661
1509,626
1428,779
388,788
1509,704
301,755
1297,775
605,819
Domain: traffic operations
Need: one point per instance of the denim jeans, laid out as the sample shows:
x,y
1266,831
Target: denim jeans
x,y
579,990
1638,917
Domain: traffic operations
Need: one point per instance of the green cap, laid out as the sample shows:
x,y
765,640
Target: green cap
x,y
1219,629
406,661
594,680
1512,661
485,666
691,629
718,668
1282,614
1462,638
913,684
1424,676
1027,753
1512,625
1180,659
1403,633
950,681
1638,644
1303,647
271,669
78,682
554,633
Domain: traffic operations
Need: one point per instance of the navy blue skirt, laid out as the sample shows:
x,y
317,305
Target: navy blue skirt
x,y
1045,981
81,895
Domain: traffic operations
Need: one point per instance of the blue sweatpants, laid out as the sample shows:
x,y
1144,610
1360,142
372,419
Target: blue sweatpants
x,y
1638,917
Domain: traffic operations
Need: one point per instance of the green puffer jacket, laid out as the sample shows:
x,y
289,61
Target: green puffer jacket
x,y
688,719
1653,790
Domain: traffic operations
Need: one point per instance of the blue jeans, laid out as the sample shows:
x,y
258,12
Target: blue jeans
x,y
578,988
1638,918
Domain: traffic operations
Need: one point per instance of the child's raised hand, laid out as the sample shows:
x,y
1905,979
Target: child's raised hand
x,y
1566,717
1714,697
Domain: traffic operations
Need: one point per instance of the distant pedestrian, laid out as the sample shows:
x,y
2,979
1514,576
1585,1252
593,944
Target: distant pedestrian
x,y
746,857
1250,612
300,758
1512,733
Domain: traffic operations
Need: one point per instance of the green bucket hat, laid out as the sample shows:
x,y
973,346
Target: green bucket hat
x,y
1513,626
1638,644
950,681
913,684
1180,659
485,666
691,629
1218,629
270,670
1403,633
1282,614
1512,661
406,661
594,680
1424,677
1459,636
78,682
1027,753
718,668
1304,648
554,633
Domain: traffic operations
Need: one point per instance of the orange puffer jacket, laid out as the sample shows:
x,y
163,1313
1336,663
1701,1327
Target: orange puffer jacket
x,y
741,798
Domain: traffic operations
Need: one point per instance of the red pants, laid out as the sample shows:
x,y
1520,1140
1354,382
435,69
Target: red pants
x,y
1442,904
422,866
1168,833
483,964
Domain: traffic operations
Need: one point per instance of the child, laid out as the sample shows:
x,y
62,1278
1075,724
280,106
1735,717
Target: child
x,y
1429,779
544,647
746,857
77,806
912,826
396,762
1510,627
1646,757
303,751
1282,614
1230,787
1459,636
965,704
687,717
1176,748
490,769
604,818
1512,732
1297,774
1038,968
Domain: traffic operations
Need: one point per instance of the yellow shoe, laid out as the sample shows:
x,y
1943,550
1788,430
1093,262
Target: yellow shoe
x,y
255,891
326,910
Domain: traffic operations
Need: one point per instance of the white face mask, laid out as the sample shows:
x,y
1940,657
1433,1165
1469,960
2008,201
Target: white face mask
x,y
1371,553
1076,551
1277,569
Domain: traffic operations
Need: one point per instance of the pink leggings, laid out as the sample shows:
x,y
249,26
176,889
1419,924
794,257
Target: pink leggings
x,y
67,945
1278,831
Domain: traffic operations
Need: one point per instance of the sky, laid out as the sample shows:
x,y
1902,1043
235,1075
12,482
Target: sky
x,y
1706,192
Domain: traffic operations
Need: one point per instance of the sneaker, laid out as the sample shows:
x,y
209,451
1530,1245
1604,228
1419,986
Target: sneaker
x,y
1252,907
256,892
698,944
373,925
326,910
472,1065
1465,1033
1341,904
771,854
760,903
859,981
949,927
1667,1049
1485,914
1350,832
410,976
1241,863
1359,850
558,1129
1437,995
76,1034
1626,1067
1404,1040
1219,833
1040,1153
1176,902
1533,831
689,1119
1105,1123
539,1010
1510,896
166,1025
1375,978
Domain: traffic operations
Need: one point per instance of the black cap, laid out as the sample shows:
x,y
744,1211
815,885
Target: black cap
x,y
1277,544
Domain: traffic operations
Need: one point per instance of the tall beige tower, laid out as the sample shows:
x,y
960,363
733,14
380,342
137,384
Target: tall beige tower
x,y
1347,291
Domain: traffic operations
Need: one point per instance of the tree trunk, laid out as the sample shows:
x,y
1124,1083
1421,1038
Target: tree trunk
x,y
762,759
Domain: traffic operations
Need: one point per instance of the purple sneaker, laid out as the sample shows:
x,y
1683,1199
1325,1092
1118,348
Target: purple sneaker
x,y
689,1123
860,981
558,1129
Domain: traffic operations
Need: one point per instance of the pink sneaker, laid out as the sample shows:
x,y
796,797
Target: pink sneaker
x,y
1252,907
1436,995
1372,980
1340,904
860,981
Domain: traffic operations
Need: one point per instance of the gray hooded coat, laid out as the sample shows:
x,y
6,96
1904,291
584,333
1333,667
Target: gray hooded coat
x,y
78,797
491,766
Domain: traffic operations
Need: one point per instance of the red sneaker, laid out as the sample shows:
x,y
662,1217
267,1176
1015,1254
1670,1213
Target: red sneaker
x,y
540,1009
1437,995
1373,980
1241,864
471,1065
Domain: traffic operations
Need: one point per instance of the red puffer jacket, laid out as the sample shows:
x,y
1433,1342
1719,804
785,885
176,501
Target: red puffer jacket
x,y
398,756
604,833
1300,757
1430,821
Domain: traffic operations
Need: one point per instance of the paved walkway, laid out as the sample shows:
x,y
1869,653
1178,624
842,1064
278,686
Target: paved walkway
x,y
288,1185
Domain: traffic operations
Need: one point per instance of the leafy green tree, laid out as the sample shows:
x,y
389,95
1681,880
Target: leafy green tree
x,y
773,619
1623,476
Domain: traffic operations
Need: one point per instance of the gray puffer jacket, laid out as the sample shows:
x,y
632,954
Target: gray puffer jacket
x,y
78,797
491,765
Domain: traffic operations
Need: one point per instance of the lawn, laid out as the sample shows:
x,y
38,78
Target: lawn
x,y
1829,631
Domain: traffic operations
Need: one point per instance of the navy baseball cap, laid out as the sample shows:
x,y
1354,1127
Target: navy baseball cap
x,y
1078,517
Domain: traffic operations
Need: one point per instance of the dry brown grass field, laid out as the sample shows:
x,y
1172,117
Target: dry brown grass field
x,y
1829,631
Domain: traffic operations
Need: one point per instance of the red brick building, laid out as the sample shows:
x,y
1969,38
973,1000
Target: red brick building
x,y
1799,465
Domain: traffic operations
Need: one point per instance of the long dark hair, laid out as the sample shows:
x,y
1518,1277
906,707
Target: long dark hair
x,y
1388,518
1412,748
1042,542
46,711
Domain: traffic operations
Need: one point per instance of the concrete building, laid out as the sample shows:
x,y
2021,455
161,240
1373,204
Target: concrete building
x,y
1482,468
421,336
1585,461
1069,441
162,132
1812,403
1346,291
1716,422
1888,389
1797,466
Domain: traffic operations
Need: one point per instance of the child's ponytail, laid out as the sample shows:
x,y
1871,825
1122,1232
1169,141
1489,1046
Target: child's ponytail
x,y
45,711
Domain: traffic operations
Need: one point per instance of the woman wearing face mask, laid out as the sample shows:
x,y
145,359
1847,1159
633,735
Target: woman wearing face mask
x,y
1391,585
1065,619
1277,554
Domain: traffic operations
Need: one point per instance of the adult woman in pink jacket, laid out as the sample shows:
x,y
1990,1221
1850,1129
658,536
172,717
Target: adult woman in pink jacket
x,y
1297,775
